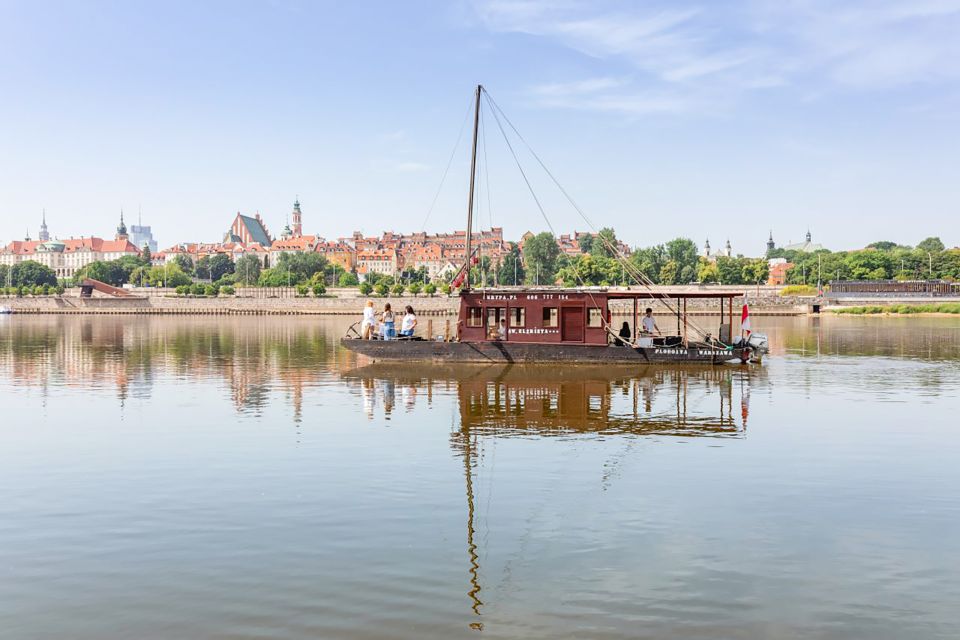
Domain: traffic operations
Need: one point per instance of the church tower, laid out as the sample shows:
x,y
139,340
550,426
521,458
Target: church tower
x,y
809,237
706,248
728,250
770,244
121,228
297,229
44,234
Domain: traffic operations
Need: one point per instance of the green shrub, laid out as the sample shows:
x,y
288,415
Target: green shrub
x,y
380,289
799,290
227,290
197,289
59,289
398,289
38,290
416,288
445,289
302,290
183,289
45,289
430,289
319,289
211,290
348,280
366,288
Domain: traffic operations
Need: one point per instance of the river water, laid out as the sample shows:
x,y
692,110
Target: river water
x,y
244,478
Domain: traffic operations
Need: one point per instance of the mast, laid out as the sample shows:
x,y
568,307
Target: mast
x,y
473,176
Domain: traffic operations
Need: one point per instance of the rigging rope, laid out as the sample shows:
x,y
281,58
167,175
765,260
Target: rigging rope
x,y
443,179
641,278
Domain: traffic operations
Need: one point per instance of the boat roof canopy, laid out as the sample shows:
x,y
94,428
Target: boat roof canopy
x,y
614,293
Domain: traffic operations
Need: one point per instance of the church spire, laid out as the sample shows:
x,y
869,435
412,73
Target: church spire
x,y
297,229
121,228
44,233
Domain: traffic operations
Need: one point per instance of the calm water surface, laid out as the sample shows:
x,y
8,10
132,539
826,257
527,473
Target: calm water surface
x,y
243,478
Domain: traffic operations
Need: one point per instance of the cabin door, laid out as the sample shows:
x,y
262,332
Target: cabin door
x,y
571,324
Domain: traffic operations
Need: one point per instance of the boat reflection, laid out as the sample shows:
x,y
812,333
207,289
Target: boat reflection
x,y
522,400
505,401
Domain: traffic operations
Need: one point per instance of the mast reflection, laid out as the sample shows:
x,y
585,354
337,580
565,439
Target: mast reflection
x,y
507,401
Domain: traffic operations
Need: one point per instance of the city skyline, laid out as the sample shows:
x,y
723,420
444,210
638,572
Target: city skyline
x,y
663,120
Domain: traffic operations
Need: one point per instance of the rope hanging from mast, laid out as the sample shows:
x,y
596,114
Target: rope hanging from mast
x,y
641,278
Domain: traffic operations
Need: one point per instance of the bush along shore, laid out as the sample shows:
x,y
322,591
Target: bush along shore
x,y
901,309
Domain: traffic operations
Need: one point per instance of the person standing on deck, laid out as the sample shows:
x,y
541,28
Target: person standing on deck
x,y
369,321
389,325
649,324
409,323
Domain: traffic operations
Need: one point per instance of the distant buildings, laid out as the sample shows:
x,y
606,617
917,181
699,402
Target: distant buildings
x,y
778,271
712,256
66,257
142,235
807,246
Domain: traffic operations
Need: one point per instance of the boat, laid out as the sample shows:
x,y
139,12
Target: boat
x,y
5,310
567,324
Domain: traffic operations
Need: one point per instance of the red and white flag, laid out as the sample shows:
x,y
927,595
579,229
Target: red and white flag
x,y
745,318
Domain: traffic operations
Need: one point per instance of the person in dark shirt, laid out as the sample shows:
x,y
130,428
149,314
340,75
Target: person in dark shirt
x,y
625,335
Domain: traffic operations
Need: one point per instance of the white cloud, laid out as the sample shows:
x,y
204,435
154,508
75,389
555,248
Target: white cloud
x,y
679,56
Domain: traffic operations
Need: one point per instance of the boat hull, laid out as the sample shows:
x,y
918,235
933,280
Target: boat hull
x,y
520,352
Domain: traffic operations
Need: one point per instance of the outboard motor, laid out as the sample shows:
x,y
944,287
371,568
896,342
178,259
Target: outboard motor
x,y
760,345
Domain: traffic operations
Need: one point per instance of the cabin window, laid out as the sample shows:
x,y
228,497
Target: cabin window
x,y
550,317
474,316
594,317
494,316
518,317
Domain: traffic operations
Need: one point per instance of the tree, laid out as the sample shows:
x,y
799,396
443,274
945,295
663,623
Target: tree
x,y
650,261
430,289
511,269
247,270
214,267
301,266
4,274
883,245
185,263
755,271
111,272
145,255
276,277
586,243
668,272
348,279
931,245
683,252
398,289
415,288
381,289
605,243
140,276
365,288
540,257
319,289
170,275
707,272
590,270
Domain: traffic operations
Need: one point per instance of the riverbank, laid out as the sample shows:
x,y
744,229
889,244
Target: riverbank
x,y
332,306
941,309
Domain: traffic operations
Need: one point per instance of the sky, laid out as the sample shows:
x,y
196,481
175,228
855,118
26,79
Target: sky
x,y
721,119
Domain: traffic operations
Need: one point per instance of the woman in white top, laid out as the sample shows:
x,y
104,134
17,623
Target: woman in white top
x,y
409,323
369,320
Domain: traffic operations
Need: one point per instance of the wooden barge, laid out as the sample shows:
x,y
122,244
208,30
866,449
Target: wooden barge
x,y
566,325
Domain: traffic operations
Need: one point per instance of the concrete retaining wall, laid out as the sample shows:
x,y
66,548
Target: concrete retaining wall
x,y
436,306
